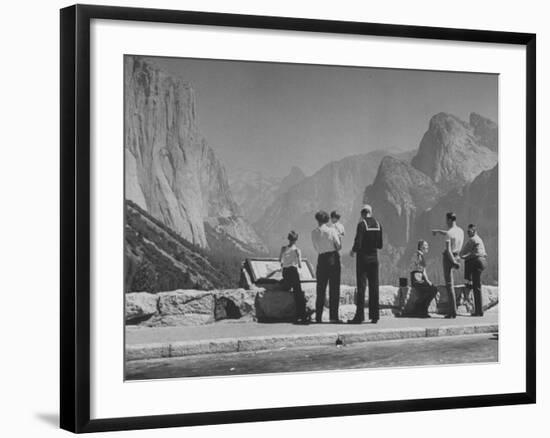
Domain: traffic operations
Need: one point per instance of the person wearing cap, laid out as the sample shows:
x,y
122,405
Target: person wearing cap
x,y
475,262
454,238
368,240
336,224
327,244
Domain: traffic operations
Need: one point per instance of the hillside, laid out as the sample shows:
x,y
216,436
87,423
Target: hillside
x,y
158,259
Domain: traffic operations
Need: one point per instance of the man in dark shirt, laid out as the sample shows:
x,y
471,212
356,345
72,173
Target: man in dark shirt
x,y
368,240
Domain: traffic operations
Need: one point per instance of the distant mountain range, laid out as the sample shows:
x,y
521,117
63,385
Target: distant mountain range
x,y
254,192
337,186
189,225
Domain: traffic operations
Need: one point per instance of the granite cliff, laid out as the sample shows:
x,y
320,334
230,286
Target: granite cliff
x,y
453,170
171,171
399,194
452,154
477,203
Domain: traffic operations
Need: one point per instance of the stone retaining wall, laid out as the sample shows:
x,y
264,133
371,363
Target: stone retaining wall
x,y
271,304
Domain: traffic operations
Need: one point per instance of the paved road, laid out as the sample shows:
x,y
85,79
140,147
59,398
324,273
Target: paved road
x,y
409,352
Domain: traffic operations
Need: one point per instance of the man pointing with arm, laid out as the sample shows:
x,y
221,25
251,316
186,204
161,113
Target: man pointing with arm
x,y
454,238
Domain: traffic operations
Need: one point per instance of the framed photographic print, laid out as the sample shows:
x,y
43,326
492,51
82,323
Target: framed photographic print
x,y
259,214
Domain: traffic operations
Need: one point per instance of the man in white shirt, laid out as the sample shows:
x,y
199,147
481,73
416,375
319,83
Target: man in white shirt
x,y
454,238
326,242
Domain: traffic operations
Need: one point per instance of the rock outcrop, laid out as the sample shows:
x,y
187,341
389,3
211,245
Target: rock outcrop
x,y
477,203
398,195
412,199
171,172
485,131
452,154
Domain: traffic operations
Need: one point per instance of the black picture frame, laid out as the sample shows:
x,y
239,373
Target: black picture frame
x,y
75,216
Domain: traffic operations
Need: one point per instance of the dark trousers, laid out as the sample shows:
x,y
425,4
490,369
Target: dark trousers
x,y
291,280
367,270
449,282
472,273
328,272
425,294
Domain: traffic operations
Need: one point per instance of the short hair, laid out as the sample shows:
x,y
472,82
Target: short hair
x,y
293,236
420,244
472,227
366,209
451,216
322,217
334,214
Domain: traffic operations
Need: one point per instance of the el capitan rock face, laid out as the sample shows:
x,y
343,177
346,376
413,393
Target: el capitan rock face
x,y
171,172
452,154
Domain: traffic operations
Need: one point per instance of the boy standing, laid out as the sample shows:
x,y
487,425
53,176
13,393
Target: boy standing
x,y
291,262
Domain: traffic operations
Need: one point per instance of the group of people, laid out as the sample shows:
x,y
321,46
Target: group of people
x,y
475,261
327,242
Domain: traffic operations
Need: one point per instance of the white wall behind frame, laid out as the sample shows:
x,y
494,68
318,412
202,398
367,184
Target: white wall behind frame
x,y
111,40
29,186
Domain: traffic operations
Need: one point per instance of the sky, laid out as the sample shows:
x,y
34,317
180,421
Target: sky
x,y
272,116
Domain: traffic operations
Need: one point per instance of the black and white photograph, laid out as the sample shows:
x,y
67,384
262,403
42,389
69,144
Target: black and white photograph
x,y
275,218
287,217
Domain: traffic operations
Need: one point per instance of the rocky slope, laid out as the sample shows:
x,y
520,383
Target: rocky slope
x,y
171,172
452,154
158,259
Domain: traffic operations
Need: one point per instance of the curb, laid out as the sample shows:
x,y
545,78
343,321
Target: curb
x,y
193,348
